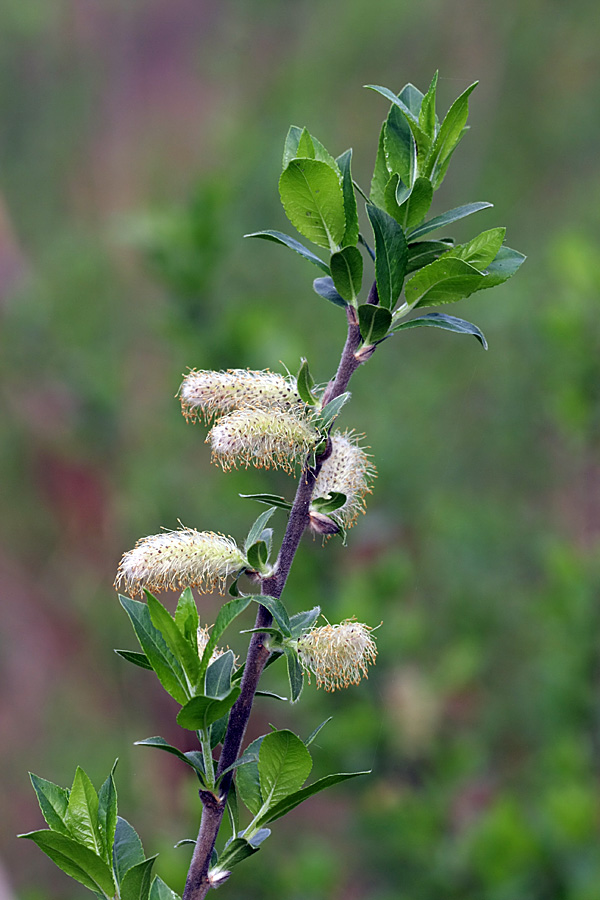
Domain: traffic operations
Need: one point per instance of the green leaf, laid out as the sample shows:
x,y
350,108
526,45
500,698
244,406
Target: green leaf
x,y
257,528
332,409
395,186
184,651
303,621
324,155
482,250
259,836
313,200
81,817
236,851
448,137
374,322
421,253
444,281
277,610
269,499
448,323
380,173
228,612
292,800
506,263
391,255
305,383
427,116
324,287
218,676
284,764
453,215
167,667
233,810
392,97
136,883
278,237
53,802
351,234
400,147
160,891
200,712
107,815
306,147
218,730
290,147
247,778
186,616
295,674
412,98
414,209
127,848
405,107
75,860
325,505
314,733
138,659
191,758
270,694
347,271
258,555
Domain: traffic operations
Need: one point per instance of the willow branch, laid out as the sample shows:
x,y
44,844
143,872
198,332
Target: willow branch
x,y
197,883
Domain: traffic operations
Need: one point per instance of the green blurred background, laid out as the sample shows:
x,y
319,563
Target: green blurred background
x,y
139,142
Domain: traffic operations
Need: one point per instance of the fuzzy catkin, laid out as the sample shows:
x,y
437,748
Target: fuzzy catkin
x,y
338,655
205,394
179,559
347,470
262,438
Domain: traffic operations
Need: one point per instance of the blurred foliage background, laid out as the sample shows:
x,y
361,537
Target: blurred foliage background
x,y
139,142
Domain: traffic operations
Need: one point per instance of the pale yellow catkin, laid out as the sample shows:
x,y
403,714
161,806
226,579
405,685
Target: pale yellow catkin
x,y
179,559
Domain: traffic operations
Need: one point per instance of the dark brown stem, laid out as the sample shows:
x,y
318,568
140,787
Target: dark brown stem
x,y
197,884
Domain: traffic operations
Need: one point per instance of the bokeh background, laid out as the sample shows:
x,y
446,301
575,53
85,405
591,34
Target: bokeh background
x,y
139,142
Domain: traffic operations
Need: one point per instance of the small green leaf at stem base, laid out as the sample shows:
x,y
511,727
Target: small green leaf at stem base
x,y
200,712
347,271
374,322
295,674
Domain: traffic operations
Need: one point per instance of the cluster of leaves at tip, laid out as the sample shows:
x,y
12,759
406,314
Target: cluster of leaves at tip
x,y
88,840
412,271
